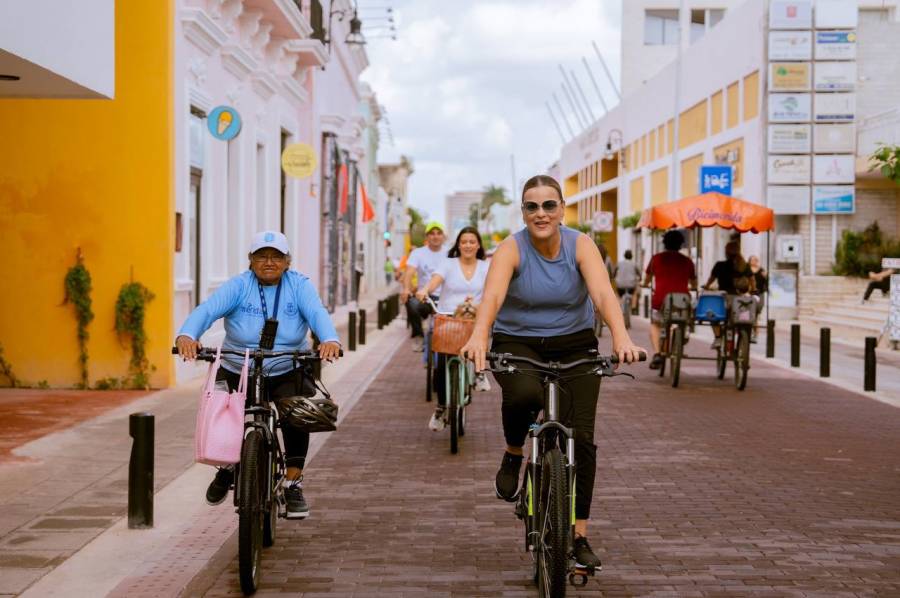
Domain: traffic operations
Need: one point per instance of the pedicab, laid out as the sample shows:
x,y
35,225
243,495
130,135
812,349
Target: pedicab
x,y
734,316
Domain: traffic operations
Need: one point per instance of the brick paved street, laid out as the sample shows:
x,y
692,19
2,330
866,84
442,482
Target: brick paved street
x,y
789,488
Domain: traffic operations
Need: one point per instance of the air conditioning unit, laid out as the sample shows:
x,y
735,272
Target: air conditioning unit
x,y
789,249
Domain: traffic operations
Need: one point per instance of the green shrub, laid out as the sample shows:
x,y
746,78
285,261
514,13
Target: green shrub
x,y
859,253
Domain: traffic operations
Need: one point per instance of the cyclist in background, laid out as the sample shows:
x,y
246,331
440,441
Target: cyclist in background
x,y
268,290
539,297
628,277
422,262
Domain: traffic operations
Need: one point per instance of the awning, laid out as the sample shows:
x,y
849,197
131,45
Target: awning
x,y
709,209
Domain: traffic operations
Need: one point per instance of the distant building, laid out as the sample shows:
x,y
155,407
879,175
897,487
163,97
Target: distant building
x,y
457,210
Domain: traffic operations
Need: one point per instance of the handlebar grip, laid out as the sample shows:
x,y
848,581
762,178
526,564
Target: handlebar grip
x,y
642,356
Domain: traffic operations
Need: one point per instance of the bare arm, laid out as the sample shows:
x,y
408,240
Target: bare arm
x,y
406,284
436,281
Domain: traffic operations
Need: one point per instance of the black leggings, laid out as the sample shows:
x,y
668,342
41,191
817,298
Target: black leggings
x,y
289,384
523,398
883,285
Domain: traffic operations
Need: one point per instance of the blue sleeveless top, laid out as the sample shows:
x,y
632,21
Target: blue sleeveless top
x,y
546,297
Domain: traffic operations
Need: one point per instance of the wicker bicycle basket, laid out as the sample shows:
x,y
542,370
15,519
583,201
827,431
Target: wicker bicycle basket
x,y
450,334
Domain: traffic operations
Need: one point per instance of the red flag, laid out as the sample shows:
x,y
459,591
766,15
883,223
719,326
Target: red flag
x,y
344,188
368,213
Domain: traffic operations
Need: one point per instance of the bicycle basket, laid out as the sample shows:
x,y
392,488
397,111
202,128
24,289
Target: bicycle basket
x,y
743,311
309,414
677,307
450,334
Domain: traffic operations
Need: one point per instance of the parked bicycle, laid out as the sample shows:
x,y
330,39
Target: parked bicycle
x,y
546,501
260,478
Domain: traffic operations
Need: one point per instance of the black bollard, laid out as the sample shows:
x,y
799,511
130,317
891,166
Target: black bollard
x,y
825,352
140,471
646,306
770,338
795,345
380,314
362,327
351,331
869,382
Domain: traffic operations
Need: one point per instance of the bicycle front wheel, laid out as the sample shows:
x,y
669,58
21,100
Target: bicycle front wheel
x,y
555,525
676,352
453,381
742,359
251,509
429,369
626,310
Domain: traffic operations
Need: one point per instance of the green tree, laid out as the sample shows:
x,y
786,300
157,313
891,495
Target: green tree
x,y
416,227
886,159
492,195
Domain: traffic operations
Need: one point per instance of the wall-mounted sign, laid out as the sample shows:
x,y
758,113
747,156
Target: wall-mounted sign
x,y
835,45
835,107
839,168
602,222
790,107
716,178
836,14
790,45
835,76
834,139
298,160
785,14
834,199
788,199
783,283
788,169
789,76
224,123
789,139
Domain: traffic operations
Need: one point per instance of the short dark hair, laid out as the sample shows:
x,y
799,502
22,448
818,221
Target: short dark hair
x,y
673,240
628,254
454,251
541,180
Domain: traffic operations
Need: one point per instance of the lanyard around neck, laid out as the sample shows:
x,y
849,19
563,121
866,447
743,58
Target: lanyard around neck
x,y
262,299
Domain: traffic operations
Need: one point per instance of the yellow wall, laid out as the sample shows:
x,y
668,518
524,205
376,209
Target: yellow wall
x,y
661,141
570,186
716,116
659,186
732,116
690,173
670,127
751,95
692,125
720,154
653,148
636,193
94,174
571,216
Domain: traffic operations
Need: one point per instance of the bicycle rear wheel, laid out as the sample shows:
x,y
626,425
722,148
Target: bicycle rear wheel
x,y
453,381
676,350
742,358
553,539
270,527
251,510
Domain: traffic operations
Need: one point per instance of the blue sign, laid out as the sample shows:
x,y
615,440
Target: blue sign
x,y
834,199
715,178
224,123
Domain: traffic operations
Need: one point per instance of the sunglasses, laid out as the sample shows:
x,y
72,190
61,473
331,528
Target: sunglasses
x,y
549,207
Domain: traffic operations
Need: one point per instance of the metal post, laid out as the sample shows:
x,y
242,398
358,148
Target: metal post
x,y
351,331
140,471
380,314
770,338
362,327
795,345
825,352
869,382
646,306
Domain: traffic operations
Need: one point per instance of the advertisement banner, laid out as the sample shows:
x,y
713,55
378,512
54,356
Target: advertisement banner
x,y
834,139
835,45
790,107
785,14
834,199
790,76
834,169
835,76
839,107
789,139
790,45
788,169
788,199
836,14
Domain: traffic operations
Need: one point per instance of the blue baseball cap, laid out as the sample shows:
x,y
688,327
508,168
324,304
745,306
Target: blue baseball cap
x,y
270,238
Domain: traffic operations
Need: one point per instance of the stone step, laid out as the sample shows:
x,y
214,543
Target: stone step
x,y
854,332
852,314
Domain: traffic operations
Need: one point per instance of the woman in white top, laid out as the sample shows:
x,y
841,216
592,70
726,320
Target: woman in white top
x,y
461,278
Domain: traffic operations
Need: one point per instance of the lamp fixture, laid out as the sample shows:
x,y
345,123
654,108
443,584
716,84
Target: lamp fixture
x,y
355,37
614,143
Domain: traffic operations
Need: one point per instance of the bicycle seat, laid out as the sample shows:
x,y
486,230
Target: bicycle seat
x,y
710,308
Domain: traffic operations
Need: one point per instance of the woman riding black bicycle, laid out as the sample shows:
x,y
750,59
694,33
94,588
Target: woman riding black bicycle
x,y
540,294
244,301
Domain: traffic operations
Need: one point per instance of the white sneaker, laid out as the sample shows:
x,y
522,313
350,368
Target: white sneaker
x,y
482,384
438,420
419,345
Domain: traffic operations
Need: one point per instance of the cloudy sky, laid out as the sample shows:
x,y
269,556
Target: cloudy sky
x,y
465,83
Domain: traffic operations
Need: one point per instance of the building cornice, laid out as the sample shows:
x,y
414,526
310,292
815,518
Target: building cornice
x,y
238,61
332,123
202,31
310,52
265,85
295,90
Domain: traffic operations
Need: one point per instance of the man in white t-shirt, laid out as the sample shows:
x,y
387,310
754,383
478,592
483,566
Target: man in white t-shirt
x,y
422,261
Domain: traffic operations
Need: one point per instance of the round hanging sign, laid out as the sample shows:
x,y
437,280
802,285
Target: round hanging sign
x,y
224,123
298,160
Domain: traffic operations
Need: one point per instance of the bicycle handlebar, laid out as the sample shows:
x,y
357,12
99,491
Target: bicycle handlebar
x,y
555,366
209,354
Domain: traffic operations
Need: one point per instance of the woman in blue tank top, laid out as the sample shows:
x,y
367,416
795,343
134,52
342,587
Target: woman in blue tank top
x,y
541,289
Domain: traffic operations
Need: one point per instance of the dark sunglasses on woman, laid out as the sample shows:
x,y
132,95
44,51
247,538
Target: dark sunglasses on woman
x,y
549,207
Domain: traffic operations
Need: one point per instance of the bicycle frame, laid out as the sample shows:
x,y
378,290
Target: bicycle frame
x,y
464,380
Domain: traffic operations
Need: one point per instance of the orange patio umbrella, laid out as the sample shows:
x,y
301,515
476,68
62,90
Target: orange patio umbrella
x,y
709,209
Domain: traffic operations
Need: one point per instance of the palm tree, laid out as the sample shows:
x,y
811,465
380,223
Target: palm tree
x,y
492,195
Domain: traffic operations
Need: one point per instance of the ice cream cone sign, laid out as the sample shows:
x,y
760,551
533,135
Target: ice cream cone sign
x,y
224,123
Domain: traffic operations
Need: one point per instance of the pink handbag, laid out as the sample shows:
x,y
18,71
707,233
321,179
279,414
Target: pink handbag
x,y
220,419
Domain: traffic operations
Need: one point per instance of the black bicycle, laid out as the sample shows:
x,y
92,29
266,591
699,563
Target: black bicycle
x,y
260,476
546,502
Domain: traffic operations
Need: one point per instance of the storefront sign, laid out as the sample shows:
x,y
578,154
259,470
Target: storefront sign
x,y
715,178
784,14
839,168
789,107
790,45
835,45
224,123
788,199
298,160
835,76
789,139
789,76
836,14
840,107
788,169
834,199
834,139
783,288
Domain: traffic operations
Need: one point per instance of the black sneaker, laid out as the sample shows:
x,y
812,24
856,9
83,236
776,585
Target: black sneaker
x,y
506,485
219,487
657,362
297,507
584,556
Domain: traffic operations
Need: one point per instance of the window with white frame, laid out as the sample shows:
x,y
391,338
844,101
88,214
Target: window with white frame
x,y
660,27
703,19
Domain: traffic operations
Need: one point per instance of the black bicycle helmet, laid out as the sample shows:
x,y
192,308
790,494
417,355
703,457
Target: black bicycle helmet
x,y
316,414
